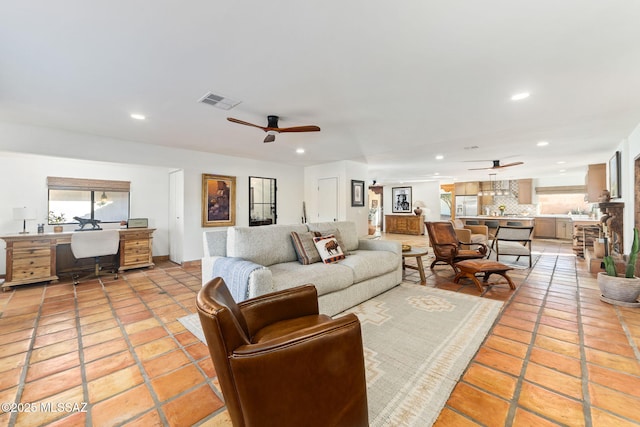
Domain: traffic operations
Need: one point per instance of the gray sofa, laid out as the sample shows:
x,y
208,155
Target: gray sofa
x,y
370,268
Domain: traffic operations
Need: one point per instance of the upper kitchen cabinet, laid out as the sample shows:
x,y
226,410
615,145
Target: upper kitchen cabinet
x,y
467,188
596,181
525,191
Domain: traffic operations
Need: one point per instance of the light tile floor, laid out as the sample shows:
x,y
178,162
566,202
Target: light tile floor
x,y
556,356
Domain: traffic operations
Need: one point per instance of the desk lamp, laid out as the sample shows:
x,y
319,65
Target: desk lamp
x,y
24,214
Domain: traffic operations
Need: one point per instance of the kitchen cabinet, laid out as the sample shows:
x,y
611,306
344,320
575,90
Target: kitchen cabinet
x,y
564,228
404,224
525,190
545,227
467,188
596,181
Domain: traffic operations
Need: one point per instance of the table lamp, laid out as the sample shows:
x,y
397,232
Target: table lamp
x,y
24,214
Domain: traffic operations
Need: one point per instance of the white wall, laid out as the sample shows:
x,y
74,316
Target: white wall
x,y
428,192
630,152
345,171
70,145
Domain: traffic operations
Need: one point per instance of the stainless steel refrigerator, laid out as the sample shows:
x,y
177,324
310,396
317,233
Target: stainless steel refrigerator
x,y
466,206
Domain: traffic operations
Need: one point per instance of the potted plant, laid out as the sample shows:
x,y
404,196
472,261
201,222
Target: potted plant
x,y
56,220
623,289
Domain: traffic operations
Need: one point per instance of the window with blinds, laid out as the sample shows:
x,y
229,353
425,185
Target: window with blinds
x,y
103,200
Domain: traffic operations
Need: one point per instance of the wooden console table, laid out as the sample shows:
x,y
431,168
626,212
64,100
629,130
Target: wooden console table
x,y
32,258
404,224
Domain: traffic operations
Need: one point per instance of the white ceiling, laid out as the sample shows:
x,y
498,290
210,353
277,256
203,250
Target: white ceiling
x,y
391,84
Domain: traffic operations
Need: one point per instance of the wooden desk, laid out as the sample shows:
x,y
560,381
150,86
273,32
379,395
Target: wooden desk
x,y
31,258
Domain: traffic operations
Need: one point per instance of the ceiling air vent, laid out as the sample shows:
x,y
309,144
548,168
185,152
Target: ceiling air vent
x,y
218,101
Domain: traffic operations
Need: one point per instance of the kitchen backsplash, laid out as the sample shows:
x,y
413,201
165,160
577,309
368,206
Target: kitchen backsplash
x,y
510,202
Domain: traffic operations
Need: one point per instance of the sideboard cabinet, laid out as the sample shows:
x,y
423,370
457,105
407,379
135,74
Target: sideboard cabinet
x,y
404,224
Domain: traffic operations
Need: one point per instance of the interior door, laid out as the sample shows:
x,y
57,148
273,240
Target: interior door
x,y
328,199
176,216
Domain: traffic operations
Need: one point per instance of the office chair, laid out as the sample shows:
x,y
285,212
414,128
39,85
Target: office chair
x,y
94,244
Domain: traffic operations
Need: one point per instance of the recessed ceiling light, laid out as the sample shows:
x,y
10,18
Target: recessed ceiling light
x,y
561,162
300,151
138,116
439,157
437,173
562,170
519,96
542,144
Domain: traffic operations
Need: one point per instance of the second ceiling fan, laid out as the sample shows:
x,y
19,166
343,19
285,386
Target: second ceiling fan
x,y
272,127
497,165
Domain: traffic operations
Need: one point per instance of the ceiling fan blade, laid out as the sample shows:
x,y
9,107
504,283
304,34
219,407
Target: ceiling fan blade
x,y
511,164
241,122
310,128
479,169
270,138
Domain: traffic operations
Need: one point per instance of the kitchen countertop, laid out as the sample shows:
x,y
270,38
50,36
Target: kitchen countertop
x,y
505,217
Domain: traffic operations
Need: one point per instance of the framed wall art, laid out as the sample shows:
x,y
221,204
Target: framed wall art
x,y
218,200
614,176
401,199
357,193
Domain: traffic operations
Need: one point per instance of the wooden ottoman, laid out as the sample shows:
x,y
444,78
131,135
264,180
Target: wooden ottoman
x,y
470,267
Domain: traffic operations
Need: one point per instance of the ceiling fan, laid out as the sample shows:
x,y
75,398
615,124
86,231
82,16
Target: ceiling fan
x,y
497,165
272,127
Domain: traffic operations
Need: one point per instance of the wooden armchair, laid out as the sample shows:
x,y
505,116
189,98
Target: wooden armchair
x,y
446,246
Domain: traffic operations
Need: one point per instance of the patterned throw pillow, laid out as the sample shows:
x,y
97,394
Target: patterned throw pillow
x,y
336,234
305,247
328,248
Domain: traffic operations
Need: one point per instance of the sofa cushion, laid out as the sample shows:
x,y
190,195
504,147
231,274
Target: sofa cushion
x,y
305,247
266,245
328,248
368,264
327,278
347,230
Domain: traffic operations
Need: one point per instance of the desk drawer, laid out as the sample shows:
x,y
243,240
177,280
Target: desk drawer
x,y
136,243
136,258
25,253
31,262
31,273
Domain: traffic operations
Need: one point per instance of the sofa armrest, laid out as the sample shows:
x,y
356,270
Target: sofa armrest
x,y
206,268
380,245
281,305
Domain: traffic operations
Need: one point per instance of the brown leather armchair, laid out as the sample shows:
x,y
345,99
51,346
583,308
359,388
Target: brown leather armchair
x,y
446,246
281,363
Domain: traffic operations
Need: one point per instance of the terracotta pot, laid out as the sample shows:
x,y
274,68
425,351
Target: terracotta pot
x,y
57,229
619,288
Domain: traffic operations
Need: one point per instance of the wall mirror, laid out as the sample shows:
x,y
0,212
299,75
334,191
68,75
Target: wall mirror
x,y
262,201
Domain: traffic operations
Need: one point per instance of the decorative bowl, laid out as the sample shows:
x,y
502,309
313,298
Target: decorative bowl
x,y
406,248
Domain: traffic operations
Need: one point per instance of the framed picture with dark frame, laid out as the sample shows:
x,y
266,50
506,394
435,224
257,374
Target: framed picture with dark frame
x,y
401,197
614,176
218,200
357,193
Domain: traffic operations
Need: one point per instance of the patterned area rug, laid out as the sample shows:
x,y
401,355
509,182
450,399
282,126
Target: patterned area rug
x,y
417,342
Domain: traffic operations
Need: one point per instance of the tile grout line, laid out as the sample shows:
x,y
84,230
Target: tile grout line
x,y
584,377
514,402
131,349
83,370
23,375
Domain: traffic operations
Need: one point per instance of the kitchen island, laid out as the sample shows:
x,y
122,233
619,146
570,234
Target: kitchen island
x,y
526,221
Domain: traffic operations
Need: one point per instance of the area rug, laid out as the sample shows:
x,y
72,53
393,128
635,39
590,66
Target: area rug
x,y
417,342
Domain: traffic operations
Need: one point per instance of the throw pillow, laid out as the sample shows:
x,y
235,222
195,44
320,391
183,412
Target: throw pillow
x,y
336,234
305,247
328,248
